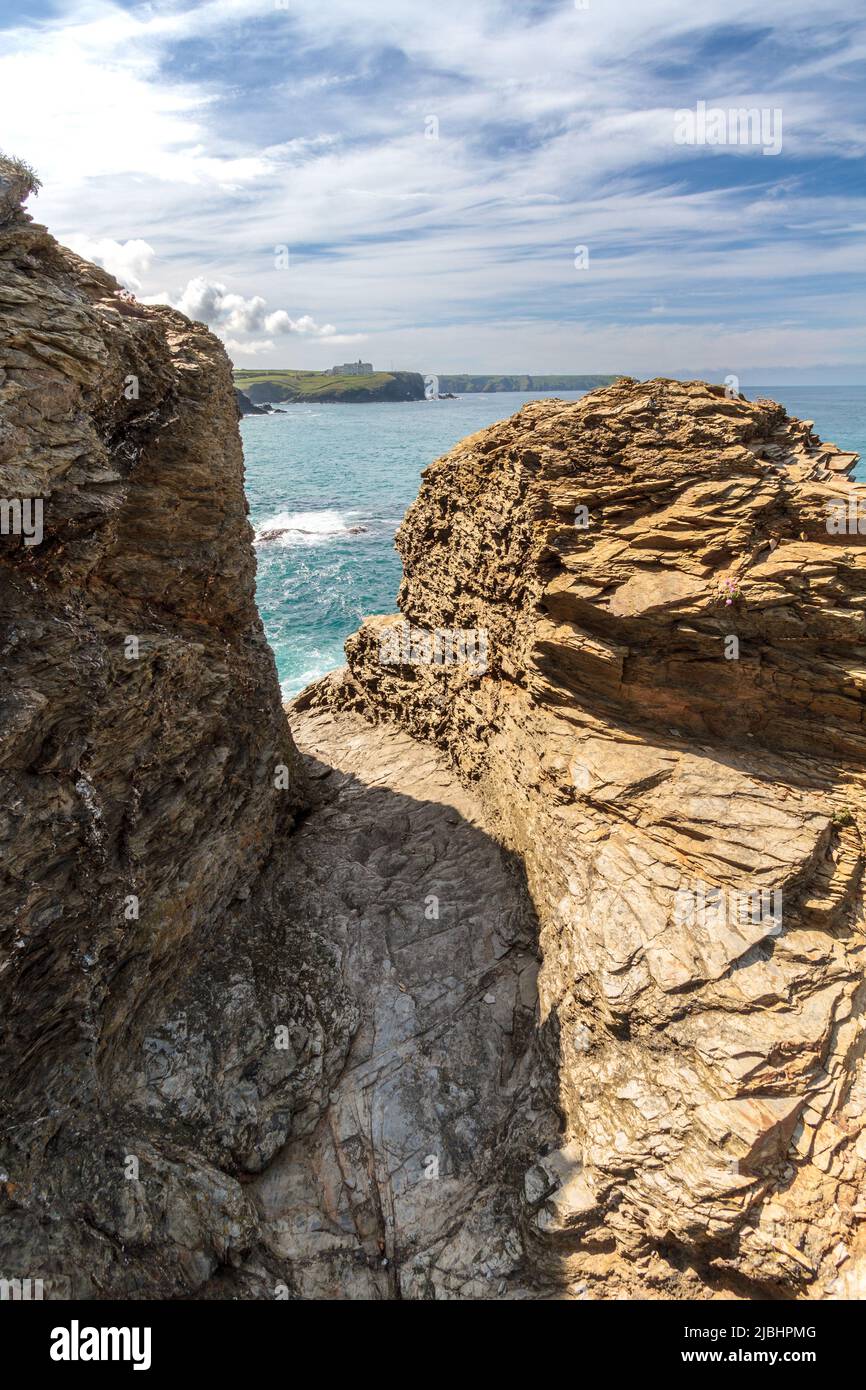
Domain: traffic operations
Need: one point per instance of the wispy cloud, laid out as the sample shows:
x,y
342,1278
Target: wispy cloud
x,y
432,179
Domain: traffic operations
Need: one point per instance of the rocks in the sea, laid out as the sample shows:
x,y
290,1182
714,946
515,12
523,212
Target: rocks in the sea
x,y
276,533
667,733
248,407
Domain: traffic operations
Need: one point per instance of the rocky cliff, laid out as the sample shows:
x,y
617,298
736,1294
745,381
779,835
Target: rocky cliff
x,y
147,774
538,972
666,729
250,1046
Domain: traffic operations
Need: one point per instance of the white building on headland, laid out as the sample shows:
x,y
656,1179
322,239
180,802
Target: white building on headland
x,y
358,368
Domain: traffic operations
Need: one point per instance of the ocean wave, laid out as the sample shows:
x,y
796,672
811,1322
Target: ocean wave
x,y
306,528
293,685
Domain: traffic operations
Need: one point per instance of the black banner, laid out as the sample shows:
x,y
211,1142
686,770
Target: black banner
x,y
243,1338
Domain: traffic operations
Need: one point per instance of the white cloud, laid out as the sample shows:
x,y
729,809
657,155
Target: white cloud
x,y
84,96
127,261
249,349
228,313
255,348
218,129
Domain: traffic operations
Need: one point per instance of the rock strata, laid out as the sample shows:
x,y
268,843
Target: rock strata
x,y
140,740
532,966
267,1026
669,736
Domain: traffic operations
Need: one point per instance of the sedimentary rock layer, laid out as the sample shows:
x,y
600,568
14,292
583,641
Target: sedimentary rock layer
x,y
274,1025
140,737
667,730
267,1027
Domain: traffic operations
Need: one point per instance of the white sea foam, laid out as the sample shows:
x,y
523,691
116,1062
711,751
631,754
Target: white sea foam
x,y
293,685
305,528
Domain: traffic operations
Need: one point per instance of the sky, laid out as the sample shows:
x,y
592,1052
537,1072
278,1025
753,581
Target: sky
x,y
470,186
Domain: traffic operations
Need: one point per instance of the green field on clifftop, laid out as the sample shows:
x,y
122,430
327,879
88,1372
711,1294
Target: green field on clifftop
x,y
262,385
266,385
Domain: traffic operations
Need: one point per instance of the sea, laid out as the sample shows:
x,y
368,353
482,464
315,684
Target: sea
x,y
335,481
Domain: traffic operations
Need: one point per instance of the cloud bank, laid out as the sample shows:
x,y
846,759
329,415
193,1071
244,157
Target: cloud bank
x,y
433,179
237,319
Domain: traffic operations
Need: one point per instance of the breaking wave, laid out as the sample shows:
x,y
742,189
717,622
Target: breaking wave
x,y
305,528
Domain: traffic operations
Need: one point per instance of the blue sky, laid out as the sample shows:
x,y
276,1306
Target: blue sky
x,y
432,170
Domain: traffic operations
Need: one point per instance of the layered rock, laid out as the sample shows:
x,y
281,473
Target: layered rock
x,y
146,775
410,1185
267,1028
275,1026
656,695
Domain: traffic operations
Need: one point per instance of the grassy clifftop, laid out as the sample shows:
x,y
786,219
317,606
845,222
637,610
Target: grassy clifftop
x,y
262,385
269,385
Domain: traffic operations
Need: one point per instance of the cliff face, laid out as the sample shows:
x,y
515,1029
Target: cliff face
x,y
657,699
262,388
146,774
540,971
245,1052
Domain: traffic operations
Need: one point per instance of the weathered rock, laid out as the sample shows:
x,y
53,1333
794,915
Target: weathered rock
x,y
141,738
239,1057
682,777
273,1027
409,1184
248,407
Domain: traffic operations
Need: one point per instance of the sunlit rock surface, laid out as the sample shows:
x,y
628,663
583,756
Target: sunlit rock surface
x,y
668,734
537,971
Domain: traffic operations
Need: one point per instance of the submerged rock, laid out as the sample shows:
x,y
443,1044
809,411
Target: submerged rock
x,y
277,532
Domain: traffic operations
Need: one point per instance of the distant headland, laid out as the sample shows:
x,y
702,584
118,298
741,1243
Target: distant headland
x,y
345,384
359,381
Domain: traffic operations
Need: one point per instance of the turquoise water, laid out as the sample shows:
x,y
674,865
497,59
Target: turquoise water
x,y
318,471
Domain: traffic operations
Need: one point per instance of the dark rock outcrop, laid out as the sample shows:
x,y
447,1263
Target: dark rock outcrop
x,y
248,407
147,774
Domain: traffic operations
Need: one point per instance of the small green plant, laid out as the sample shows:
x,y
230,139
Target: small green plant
x,y
17,171
842,817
